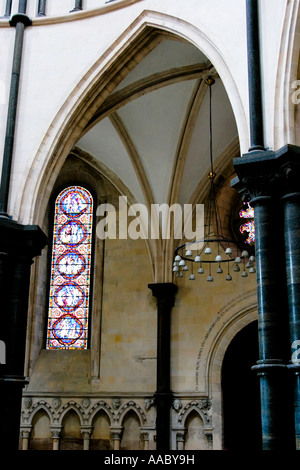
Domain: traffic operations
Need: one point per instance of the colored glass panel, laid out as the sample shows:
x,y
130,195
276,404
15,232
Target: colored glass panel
x,y
70,270
248,227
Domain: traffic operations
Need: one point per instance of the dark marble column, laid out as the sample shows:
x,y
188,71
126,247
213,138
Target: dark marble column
x,y
291,211
254,76
261,180
19,244
165,295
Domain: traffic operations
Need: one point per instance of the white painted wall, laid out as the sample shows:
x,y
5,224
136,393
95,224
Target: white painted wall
x,y
63,58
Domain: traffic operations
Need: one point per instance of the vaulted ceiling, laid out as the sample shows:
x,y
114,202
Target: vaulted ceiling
x,y
152,132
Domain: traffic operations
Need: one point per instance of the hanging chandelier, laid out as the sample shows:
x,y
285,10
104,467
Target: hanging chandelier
x,y
214,254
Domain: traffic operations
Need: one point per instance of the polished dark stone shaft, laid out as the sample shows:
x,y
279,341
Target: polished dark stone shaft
x,y
254,77
262,180
165,295
272,332
291,208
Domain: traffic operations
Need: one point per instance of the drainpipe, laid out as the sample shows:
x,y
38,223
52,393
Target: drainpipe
x,y
20,21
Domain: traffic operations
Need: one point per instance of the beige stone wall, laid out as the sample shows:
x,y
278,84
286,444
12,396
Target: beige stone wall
x,y
121,362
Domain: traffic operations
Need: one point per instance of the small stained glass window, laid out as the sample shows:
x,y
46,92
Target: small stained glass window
x,y
248,213
70,270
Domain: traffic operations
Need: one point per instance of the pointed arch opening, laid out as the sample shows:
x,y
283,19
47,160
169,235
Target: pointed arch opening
x,y
240,391
68,314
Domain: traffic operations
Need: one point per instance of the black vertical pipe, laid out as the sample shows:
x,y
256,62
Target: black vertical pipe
x,y
291,208
165,295
11,119
41,8
254,77
8,8
22,6
78,6
20,20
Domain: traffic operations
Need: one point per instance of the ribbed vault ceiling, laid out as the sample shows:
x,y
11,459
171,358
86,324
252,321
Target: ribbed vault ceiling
x,y
153,130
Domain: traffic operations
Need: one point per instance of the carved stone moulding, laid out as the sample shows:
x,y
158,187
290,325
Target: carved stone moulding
x,y
268,173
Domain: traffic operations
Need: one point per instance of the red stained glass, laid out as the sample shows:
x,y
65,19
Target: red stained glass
x,y
248,227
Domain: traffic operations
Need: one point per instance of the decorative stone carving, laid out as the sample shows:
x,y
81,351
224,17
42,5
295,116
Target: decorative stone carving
x,y
202,406
56,402
149,402
25,432
116,403
55,432
27,402
267,174
177,405
86,408
133,405
86,432
86,402
205,404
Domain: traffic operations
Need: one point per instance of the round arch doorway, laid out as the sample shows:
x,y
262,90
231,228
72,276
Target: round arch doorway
x,y
240,390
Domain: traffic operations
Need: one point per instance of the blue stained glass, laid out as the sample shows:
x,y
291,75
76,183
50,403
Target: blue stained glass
x,y
70,270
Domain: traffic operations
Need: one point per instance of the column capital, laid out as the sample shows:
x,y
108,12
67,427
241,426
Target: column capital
x,y
21,240
267,174
164,292
25,431
86,431
55,431
116,432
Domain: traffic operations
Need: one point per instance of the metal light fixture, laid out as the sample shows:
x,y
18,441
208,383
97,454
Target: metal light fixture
x,y
215,254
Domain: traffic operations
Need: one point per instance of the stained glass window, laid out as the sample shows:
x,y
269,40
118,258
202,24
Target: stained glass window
x,y
249,227
70,270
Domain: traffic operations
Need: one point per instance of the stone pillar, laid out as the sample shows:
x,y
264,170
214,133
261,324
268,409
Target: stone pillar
x,y
145,438
116,434
261,180
25,435
180,440
56,431
86,432
19,244
165,295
